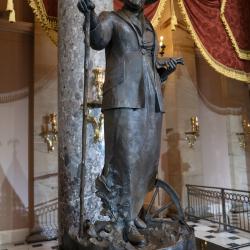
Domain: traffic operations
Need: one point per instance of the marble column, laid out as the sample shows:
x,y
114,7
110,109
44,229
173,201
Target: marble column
x,y
70,90
70,95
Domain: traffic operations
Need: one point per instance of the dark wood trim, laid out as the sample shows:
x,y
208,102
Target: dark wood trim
x,y
31,148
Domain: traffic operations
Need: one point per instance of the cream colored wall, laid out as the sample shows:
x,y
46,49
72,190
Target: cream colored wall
x,y
16,71
45,102
179,164
13,169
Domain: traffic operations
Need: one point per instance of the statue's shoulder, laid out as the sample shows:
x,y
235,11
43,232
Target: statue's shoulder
x,y
111,15
107,13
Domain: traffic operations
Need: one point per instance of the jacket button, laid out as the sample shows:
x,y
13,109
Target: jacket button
x,y
143,51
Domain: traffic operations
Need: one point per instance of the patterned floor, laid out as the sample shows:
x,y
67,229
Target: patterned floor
x,y
203,230
210,233
38,246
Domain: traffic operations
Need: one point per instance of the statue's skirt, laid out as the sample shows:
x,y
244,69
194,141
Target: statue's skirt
x,y
132,148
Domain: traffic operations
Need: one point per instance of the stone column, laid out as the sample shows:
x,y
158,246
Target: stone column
x,y
70,90
70,95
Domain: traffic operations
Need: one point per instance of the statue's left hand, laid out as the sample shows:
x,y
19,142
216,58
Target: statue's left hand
x,y
171,63
166,66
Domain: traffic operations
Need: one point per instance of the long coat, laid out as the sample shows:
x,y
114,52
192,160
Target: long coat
x,y
132,107
124,86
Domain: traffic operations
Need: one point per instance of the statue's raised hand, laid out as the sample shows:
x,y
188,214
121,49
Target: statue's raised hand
x,y
85,6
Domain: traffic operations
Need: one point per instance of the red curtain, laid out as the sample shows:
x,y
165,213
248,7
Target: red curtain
x,y
51,7
218,28
149,11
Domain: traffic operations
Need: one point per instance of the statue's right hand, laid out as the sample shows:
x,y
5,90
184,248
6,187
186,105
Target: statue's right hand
x,y
85,6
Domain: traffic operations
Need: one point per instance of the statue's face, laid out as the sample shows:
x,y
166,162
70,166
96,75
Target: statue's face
x,y
135,4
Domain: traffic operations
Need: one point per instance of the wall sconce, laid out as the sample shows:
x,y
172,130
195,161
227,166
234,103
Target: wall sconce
x,y
192,135
97,125
49,131
99,74
162,46
243,136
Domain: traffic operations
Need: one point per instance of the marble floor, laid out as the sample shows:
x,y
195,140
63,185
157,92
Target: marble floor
x,y
37,246
204,230
210,232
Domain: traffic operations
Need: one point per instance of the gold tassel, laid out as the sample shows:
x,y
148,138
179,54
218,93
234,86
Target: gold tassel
x,y
10,5
12,16
10,9
174,20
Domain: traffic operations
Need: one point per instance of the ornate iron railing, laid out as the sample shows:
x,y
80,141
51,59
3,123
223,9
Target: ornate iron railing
x,y
229,208
46,214
46,222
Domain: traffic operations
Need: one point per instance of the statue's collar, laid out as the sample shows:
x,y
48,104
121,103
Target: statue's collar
x,y
136,20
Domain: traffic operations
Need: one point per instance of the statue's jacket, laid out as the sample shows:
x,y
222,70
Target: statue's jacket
x,y
124,84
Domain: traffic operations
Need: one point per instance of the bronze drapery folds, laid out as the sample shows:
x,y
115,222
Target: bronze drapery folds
x,y
221,31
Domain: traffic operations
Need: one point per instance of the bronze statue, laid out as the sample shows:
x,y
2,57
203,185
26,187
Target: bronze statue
x,y
132,107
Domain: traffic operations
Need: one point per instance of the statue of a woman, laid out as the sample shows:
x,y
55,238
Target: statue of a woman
x,y
132,107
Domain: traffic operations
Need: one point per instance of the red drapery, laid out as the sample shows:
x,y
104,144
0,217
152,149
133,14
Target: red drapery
x,y
149,11
218,27
51,7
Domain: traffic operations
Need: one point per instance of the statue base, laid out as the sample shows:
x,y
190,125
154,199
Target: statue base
x,y
160,235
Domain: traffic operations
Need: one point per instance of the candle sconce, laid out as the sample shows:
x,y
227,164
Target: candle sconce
x,y
191,136
162,46
243,136
49,131
99,78
97,125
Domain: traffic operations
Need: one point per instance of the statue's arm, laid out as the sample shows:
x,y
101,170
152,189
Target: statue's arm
x,y
101,30
100,26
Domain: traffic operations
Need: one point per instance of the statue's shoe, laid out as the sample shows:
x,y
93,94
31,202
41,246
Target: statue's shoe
x,y
134,236
139,223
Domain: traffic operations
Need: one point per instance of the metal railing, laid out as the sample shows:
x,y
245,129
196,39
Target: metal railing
x,y
46,214
229,208
46,222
